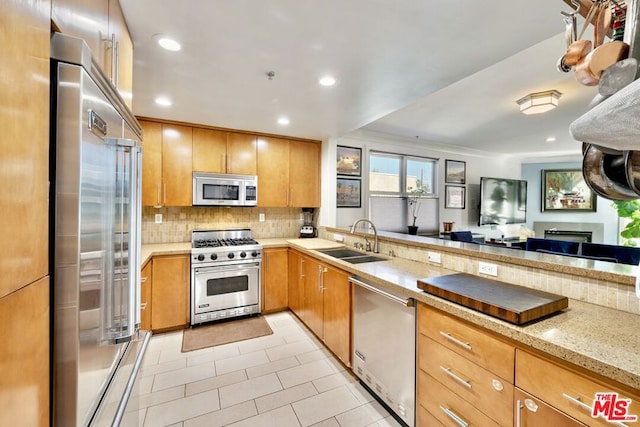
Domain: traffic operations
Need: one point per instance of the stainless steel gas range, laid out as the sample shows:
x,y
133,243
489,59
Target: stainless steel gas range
x,y
225,274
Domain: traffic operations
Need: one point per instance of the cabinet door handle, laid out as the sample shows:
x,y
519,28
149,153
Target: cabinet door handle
x,y
113,58
143,279
158,202
519,408
576,401
454,340
164,198
460,380
455,417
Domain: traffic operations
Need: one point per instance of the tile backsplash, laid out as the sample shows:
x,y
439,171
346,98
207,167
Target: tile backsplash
x,y
178,222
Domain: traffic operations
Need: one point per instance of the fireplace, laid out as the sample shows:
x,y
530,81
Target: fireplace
x,y
592,232
572,236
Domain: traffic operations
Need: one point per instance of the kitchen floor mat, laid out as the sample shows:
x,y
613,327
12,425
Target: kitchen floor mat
x,y
214,334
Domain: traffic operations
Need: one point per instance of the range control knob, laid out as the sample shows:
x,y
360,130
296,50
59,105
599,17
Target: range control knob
x,y
214,257
243,254
200,257
254,254
230,255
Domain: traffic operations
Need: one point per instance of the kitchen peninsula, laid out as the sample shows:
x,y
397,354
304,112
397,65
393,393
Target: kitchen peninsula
x,y
601,340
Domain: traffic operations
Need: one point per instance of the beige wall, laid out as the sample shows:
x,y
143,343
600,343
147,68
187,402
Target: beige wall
x,y
177,222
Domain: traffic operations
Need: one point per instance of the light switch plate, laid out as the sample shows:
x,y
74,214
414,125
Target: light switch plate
x,y
338,237
261,217
158,218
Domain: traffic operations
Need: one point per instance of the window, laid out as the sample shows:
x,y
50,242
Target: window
x,y
396,175
391,178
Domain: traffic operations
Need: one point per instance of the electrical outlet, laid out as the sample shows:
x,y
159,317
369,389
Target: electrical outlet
x,y
434,257
261,217
338,237
158,218
487,268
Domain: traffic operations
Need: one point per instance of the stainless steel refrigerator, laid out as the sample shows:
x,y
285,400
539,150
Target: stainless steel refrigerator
x,y
95,243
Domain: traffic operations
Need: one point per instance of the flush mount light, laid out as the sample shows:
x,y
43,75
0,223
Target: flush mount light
x,y
169,44
327,81
163,101
550,139
539,102
283,121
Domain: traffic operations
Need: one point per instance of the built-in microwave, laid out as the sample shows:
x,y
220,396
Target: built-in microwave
x,y
212,189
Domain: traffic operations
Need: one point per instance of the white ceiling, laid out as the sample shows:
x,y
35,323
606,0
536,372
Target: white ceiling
x,y
447,71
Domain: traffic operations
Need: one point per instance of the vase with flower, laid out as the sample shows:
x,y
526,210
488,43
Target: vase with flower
x,y
413,200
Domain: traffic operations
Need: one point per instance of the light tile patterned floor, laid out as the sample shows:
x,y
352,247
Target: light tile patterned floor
x,y
284,379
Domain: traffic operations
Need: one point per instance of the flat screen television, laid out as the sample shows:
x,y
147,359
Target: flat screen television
x,y
502,201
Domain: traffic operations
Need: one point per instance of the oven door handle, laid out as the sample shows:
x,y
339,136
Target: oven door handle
x,y
229,267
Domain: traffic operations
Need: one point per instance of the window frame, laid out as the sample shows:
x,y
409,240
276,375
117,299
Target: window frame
x,y
402,192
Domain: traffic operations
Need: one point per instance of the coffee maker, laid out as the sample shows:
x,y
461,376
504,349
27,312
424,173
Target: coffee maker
x,y
308,229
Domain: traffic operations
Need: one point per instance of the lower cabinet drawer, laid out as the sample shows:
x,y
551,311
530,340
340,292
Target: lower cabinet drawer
x,y
532,412
467,340
569,391
447,407
481,388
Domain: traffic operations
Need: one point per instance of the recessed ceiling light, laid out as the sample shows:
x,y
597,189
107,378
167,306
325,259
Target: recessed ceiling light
x,y
169,44
327,81
163,101
550,139
283,121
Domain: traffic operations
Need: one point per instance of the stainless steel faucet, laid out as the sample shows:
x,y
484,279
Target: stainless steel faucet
x,y
375,232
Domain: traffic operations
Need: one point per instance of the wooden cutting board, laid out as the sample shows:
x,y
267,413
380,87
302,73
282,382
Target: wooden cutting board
x,y
515,304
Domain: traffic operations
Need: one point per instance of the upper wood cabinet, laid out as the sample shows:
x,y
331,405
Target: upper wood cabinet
x,y
166,165
288,173
85,19
24,120
119,59
218,151
102,25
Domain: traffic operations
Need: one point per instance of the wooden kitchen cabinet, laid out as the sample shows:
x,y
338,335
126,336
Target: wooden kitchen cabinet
x,y
146,280
320,295
313,310
463,371
166,164
24,120
217,151
101,24
24,356
304,174
288,173
119,64
170,292
275,283
532,412
337,313
296,290
566,389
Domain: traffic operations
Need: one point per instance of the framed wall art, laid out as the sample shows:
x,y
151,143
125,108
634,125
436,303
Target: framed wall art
x,y
349,161
348,193
455,172
566,190
454,197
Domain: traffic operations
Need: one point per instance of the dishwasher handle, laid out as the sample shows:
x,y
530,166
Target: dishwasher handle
x,y
409,302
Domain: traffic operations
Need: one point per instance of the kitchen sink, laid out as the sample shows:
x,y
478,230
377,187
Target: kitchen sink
x,y
363,258
341,253
351,256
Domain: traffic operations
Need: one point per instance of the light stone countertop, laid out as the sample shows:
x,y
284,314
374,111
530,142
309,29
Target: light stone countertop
x,y
600,339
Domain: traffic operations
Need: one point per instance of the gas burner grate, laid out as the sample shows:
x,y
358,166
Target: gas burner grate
x,y
217,243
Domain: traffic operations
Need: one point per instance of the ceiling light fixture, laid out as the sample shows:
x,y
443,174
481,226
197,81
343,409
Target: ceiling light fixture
x,y
165,102
327,81
550,139
539,102
169,44
283,121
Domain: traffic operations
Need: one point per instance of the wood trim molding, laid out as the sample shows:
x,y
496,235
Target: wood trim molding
x,y
248,132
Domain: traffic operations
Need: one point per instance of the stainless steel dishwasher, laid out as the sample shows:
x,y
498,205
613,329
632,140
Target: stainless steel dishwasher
x,y
384,347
